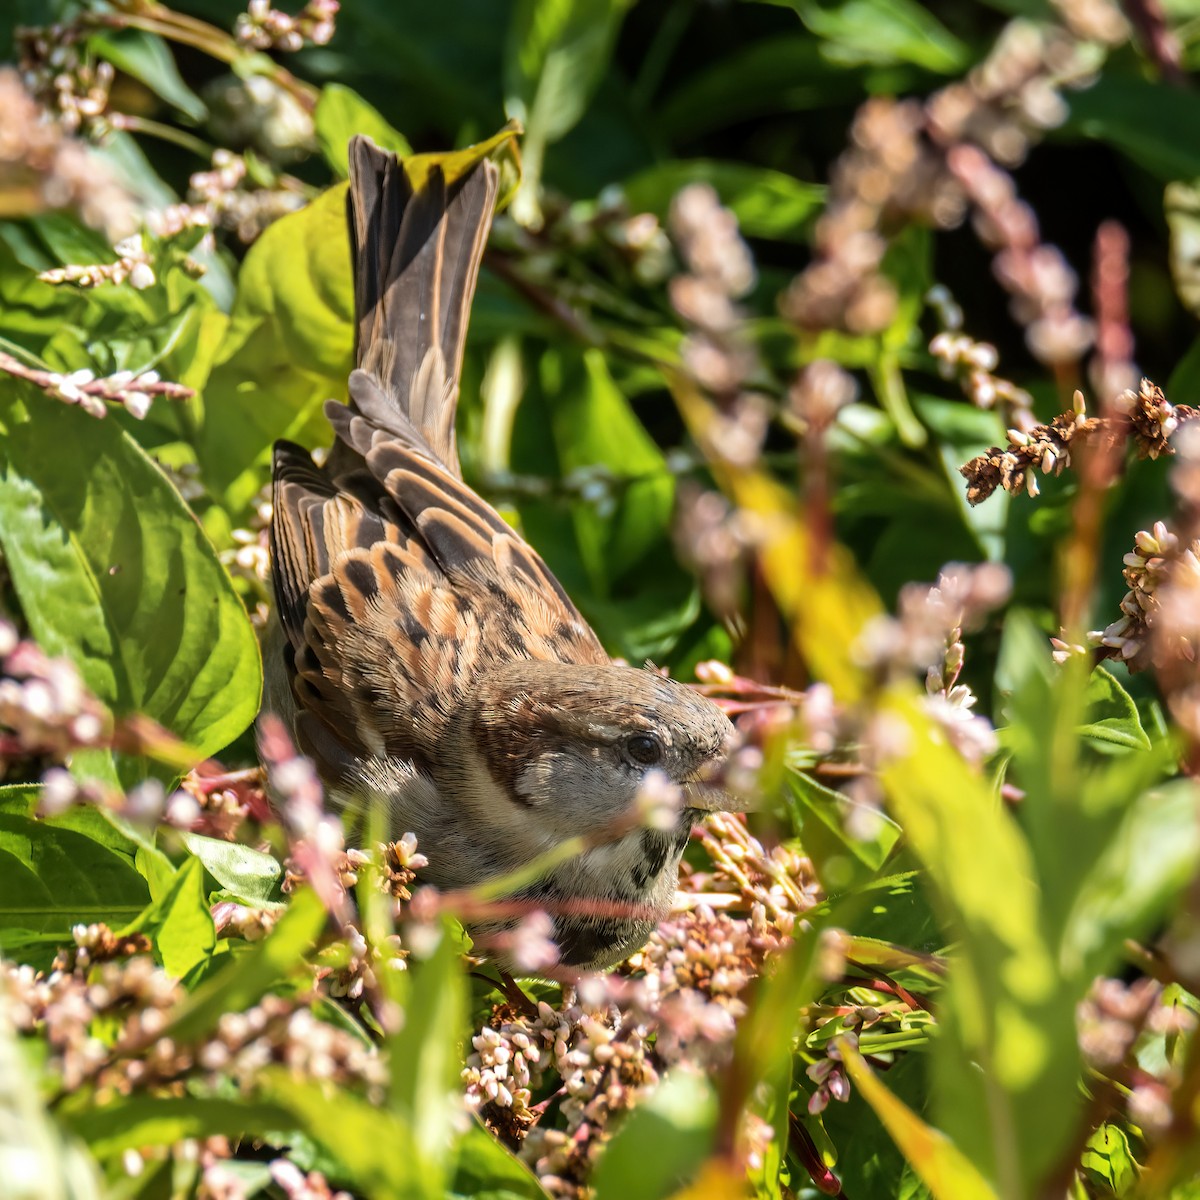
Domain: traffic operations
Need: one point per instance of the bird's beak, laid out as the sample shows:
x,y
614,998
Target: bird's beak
x,y
706,791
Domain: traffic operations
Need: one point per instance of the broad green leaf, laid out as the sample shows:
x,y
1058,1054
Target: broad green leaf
x,y
1181,206
377,1149
52,878
240,983
1003,1008
945,1170
821,818
1145,864
961,432
882,32
1149,122
103,551
556,54
38,1160
287,350
610,547
147,58
767,204
248,874
340,114
179,923
594,428
662,1143
424,1057
780,74
1109,1159
1112,716
486,1167
129,1122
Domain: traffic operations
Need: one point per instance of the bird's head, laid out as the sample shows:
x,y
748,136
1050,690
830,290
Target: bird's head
x,y
574,744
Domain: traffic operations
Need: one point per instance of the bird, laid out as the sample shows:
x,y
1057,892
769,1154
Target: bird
x,y
424,654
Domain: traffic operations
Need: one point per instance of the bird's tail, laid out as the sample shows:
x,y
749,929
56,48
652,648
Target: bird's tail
x,y
416,255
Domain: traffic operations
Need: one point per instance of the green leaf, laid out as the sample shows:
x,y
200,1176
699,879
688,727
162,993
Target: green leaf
x,y
1003,1008
52,878
179,923
340,114
1109,1160
129,1122
1149,122
556,54
945,1170
1112,715
377,1149
1181,206
778,74
288,347
882,32
485,1166
424,1058
662,1143
102,551
38,1160
595,427
1145,863
767,204
147,58
248,874
821,818
240,984
961,432
610,548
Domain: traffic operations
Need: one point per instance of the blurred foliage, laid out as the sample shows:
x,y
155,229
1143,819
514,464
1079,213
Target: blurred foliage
x,y
962,942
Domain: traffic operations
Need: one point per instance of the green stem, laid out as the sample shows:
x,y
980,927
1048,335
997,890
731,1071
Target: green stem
x,y
167,133
889,387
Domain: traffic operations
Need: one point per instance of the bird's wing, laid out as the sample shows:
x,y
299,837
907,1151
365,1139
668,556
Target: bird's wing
x,y
397,586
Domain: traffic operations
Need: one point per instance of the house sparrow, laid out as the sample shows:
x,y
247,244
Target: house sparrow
x,y
426,654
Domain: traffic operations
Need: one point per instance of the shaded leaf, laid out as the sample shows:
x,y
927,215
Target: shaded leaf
x,y
130,1122
882,32
822,818
147,58
485,1166
376,1148
1112,715
1149,122
556,53
53,878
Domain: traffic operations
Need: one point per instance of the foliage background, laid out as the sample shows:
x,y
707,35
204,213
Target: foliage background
x,y
585,415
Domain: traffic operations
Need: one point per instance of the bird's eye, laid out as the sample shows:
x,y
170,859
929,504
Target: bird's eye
x,y
645,749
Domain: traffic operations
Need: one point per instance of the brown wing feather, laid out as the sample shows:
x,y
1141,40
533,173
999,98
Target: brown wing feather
x,y
397,585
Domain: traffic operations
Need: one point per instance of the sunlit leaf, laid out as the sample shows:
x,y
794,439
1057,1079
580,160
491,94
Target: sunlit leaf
x,y
52,878
767,204
945,1170
245,873
179,923
556,54
101,550
662,1143
240,983
340,114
